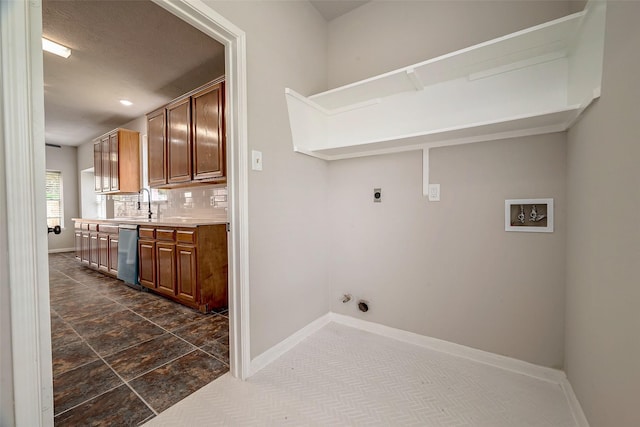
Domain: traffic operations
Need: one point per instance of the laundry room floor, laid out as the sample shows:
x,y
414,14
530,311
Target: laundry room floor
x,y
342,376
122,356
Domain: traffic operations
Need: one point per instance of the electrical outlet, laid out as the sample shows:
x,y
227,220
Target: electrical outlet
x,y
377,195
434,192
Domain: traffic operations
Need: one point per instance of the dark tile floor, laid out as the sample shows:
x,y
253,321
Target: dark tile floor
x,y
121,356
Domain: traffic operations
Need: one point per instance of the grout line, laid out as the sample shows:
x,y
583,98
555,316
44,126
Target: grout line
x,y
164,364
88,400
124,382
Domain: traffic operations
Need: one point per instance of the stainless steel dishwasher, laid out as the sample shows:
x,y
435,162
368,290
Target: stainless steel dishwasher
x,y
128,254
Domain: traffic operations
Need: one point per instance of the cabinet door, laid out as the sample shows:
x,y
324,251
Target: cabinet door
x,y
147,263
103,252
86,247
208,133
156,148
106,164
78,245
186,277
114,184
166,259
113,254
97,165
179,141
93,250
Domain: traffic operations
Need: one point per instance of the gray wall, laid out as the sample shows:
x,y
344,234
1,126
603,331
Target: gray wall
x,y
286,47
448,269
64,159
384,35
603,263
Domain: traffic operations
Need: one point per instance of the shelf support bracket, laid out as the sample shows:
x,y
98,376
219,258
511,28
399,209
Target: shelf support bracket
x,y
425,171
415,79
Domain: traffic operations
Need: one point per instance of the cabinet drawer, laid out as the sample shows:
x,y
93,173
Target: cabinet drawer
x,y
186,236
93,227
107,228
78,225
148,233
165,234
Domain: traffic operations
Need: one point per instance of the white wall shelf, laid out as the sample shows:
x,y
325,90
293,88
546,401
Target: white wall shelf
x,y
534,81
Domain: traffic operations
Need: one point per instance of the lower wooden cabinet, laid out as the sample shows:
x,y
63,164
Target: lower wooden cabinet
x,y
188,265
147,263
185,264
166,261
96,245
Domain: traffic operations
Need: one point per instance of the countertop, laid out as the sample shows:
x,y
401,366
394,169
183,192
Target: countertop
x,y
169,222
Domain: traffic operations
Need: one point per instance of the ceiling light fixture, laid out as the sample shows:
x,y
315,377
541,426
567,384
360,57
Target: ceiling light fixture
x,y
55,48
126,102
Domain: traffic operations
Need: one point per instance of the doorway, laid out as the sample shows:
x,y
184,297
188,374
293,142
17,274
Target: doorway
x,y
24,145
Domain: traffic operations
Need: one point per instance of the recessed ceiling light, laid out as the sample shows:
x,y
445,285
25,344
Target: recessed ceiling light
x,y
126,102
55,48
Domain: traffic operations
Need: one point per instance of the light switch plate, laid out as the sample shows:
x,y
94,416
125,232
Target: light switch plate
x,y
256,160
434,192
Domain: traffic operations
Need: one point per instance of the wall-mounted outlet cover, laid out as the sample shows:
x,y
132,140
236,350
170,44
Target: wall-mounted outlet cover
x,y
377,195
434,192
256,160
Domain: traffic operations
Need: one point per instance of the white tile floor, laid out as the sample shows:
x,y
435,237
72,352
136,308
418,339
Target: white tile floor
x,y
345,376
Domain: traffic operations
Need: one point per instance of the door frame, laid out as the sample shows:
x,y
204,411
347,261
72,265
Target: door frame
x,y
22,132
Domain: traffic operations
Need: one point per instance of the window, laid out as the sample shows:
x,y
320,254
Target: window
x,y
54,199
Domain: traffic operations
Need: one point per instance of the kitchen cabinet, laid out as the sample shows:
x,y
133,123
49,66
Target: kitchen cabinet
x,y
97,165
166,261
186,139
157,148
116,157
103,252
208,135
186,264
147,257
93,249
85,247
113,254
97,246
179,141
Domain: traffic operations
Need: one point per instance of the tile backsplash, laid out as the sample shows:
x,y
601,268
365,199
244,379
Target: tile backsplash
x,y
203,202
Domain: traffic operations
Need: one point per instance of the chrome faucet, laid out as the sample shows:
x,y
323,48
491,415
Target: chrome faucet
x,y
148,194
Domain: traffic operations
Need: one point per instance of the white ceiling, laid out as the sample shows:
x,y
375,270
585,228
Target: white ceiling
x,y
131,50
331,9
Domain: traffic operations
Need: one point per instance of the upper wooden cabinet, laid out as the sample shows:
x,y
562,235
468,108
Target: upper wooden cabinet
x,y
208,136
186,139
157,147
179,141
116,157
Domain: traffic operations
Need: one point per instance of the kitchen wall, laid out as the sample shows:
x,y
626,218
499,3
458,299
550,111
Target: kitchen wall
x,y
6,362
64,159
286,47
603,263
447,269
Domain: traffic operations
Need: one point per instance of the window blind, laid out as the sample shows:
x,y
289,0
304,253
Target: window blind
x,y
54,199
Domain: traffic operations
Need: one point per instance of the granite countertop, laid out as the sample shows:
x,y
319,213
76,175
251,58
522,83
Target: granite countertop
x,y
169,222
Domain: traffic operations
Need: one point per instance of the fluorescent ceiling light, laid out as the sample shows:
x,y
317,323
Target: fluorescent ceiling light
x,y
55,48
126,102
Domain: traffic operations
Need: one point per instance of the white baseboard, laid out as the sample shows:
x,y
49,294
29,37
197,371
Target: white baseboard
x,y
574,404
57,251
499,361
287,344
